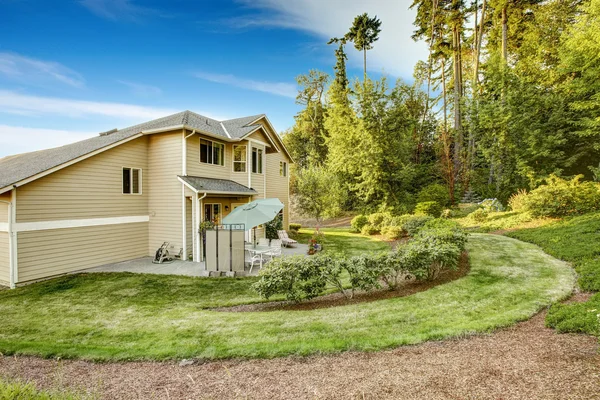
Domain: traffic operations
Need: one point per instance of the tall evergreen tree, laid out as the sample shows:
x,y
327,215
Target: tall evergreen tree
x,y
364,32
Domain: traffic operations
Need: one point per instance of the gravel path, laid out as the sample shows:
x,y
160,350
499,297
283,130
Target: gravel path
x,y
527,361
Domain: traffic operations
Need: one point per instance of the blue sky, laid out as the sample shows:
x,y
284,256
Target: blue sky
x,y
72,68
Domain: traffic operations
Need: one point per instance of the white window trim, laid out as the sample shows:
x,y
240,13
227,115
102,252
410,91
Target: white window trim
x,y
131,181
212,204
212,141
233,159
283,169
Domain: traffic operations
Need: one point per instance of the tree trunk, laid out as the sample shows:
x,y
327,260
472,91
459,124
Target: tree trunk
x,y
458,141
504,35
365,63
447,165
478,39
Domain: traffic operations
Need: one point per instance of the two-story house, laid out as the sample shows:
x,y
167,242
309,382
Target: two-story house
x,y
120,195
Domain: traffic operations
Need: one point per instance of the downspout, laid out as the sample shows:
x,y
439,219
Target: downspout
x,y
198,251
183,201
11,256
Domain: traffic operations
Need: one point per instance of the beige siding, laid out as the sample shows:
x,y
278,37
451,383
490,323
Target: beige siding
x,y
4,259
277,185
258,180
4,210
91,188
164,189
52,252
261,136
196,168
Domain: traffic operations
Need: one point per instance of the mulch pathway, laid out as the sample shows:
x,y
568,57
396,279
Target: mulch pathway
x,y
526,361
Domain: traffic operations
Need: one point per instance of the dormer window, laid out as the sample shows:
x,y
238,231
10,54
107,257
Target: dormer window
x,y
239,158
212,152
257,160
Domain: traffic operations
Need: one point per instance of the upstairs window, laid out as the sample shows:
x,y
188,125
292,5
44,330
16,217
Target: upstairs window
x,y
132,181
212,152
239,158
283,168
257,160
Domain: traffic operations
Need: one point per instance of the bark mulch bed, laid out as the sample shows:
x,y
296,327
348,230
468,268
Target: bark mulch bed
x,y
337,299
526,361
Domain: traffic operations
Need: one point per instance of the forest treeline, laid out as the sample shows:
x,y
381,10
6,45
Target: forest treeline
x,y
509,94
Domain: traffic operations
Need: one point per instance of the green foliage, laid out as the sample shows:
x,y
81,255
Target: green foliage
x,y
432,208
479,215
295,227
414,223
516,202
492,205
380,219
434,192
393,232
358,222
297,277
576,317
559,197
318,193
271,227
368,229
574,240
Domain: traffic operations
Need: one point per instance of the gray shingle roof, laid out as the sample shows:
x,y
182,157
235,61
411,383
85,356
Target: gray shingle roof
x,y
22,166
202,184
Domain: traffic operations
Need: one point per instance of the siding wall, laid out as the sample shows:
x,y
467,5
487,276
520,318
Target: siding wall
x,y
164,189
4,250
91,188
196,168
277,185
58,251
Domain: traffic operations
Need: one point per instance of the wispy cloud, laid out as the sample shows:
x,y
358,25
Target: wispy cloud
x,y
25,69
119,10
395,52
141,89
19,139
17,103
277,88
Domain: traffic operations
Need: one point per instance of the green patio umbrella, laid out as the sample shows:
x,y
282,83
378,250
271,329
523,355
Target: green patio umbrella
x,y
254,213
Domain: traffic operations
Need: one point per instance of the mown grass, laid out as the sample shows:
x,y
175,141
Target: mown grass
x,y
504,220
18,390
576,240
342,241
126,316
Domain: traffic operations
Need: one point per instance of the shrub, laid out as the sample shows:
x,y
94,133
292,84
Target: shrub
x,y
295,227
414,223
380,219
364,271
559,197
368,229
443,231
358,222
479,215
447,213
296,277
393,232
271,227
434,192
516,202
431,208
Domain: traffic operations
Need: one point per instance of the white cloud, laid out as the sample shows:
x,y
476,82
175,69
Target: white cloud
x,y
276,88
118,9
19,139
395,51
17,103
30,70
141,89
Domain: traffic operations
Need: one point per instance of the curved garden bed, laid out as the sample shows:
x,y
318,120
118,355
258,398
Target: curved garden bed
x,y
165,317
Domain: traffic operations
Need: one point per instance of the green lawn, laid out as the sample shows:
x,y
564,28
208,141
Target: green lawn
x,y
341,240
576,240
27,391
126,316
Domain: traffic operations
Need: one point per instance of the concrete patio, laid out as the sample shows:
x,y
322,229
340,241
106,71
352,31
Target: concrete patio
x,y
144,265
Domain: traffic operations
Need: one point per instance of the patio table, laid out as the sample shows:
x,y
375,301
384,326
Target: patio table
x,y
260,250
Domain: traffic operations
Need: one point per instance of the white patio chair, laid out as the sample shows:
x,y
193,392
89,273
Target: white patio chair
x,y
275,248
263,242
253,259
285,239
